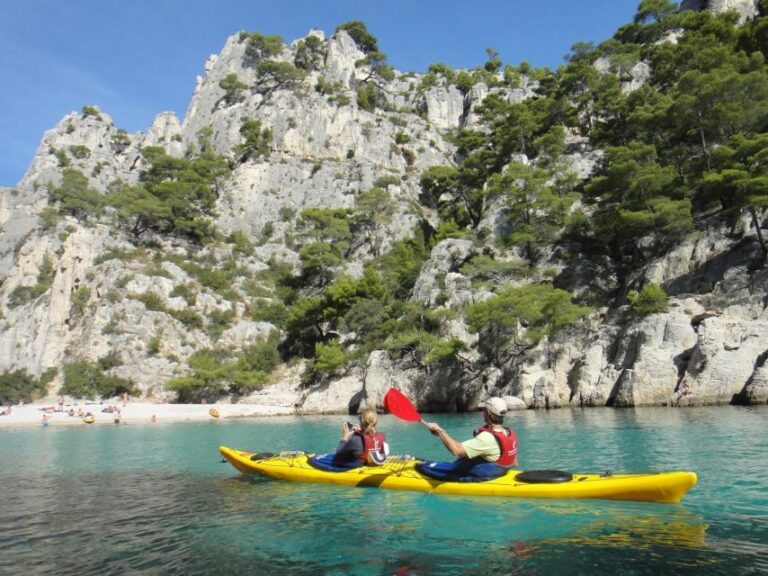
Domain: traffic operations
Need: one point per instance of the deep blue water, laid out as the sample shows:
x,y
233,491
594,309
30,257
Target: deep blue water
x,y
155,499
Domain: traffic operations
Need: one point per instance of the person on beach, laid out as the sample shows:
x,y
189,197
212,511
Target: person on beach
x,y
61,403
362,443
491,452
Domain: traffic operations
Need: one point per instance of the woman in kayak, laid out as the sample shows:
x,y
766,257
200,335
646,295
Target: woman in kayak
x,y
489,454
362,443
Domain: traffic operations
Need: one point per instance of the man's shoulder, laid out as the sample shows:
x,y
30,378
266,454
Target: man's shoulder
x,y
483,437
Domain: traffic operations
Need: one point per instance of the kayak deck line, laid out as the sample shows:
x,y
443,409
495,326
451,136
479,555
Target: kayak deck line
x,y
399,473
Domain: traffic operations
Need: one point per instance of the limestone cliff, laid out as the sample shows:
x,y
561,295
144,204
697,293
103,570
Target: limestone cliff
x,y
744,8
108,295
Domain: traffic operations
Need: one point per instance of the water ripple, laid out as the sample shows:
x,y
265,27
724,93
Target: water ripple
x,y
156,501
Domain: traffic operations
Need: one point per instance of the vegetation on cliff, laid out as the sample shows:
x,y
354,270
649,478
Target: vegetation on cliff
x,y
676,102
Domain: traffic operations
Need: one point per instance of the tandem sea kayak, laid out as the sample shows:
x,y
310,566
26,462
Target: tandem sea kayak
x,y
399,473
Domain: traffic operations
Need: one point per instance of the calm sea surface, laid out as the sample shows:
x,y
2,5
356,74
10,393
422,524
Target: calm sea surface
x,y
155,499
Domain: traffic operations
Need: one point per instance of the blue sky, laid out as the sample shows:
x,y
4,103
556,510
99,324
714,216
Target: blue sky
x,y
136,58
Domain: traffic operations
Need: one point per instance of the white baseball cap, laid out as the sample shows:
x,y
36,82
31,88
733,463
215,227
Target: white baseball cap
x,y
495,406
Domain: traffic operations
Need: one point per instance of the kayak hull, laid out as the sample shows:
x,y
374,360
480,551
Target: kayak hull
x,y
399,473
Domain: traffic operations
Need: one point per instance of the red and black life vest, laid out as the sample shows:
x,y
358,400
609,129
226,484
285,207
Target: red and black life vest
x,y
373,448
507,441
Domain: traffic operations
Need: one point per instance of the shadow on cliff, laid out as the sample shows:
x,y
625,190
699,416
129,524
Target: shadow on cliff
x,y
743,254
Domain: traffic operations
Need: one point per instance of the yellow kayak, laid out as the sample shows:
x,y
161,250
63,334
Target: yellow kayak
x,y
399,473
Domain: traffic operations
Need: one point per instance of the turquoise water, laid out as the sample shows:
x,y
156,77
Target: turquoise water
x,y
155,499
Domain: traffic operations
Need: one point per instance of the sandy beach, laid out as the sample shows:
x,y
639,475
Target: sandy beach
x,y
133,412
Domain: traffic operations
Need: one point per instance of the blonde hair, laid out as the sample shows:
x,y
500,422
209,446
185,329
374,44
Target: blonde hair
x,y
368,419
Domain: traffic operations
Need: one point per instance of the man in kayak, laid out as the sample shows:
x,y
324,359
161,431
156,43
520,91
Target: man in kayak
x,y
489,454
362,444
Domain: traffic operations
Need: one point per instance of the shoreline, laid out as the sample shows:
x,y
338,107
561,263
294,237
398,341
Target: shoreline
x,y
141,412
132,412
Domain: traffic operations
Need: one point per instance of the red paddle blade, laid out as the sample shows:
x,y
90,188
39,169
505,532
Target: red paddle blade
x,y
399,406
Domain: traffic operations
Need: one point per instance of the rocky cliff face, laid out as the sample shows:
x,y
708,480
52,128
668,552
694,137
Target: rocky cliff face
x,y
744,8
323,153
710,347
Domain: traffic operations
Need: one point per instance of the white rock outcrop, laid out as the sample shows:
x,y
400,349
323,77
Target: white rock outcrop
x,y
746,9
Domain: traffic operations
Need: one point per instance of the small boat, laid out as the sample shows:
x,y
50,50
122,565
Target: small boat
x,y
400,473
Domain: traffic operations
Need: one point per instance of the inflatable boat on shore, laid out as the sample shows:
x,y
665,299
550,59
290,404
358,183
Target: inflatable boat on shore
x,y
400,473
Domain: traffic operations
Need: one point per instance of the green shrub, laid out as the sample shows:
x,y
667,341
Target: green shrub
x,y
80,152
329,359
254,364
262,355
233,88
340,99
120,141
117,254
271,75
385,181
75,197
113,295
186,292
256,140
153,346
286,213
651,299
267,231
241,243
464,81
269,311
79,299
49,217
409,343
359,33
215,372
189,317
91,111
259,46
324,87
109,361
538,308
215,279
61,157
151,300
18,385
158,271
83,379
309,53
219,320
175,197
366,97
123,281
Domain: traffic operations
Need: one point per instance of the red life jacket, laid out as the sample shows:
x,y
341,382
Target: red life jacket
x,y
507,444
373,448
